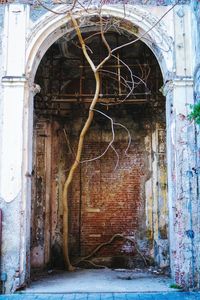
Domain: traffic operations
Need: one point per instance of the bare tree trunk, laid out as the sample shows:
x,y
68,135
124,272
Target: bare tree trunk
x,y
79,149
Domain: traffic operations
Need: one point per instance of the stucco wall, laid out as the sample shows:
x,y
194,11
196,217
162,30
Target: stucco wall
x,y
2,7
196,26
11,110
1,39
9,255
38,11
11,211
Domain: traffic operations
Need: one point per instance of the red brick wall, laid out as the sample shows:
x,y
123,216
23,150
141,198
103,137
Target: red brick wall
x,y
105,201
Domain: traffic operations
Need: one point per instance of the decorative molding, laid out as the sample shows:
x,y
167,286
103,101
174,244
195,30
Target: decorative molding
x,y
176,82
167,87
37,10
35,88
51,27
13,81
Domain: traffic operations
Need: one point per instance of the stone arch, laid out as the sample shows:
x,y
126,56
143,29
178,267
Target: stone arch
x,y
179,89
52,26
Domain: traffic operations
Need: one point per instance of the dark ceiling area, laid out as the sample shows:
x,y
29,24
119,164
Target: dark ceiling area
x,y
131,75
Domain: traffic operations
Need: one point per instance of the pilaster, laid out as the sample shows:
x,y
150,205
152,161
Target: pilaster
x,y
182,182
12,175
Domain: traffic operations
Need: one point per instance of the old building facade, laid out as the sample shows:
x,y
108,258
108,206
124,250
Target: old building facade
x,y
152,193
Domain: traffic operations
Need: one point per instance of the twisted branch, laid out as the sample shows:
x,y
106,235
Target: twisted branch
x,y
79,149
115,236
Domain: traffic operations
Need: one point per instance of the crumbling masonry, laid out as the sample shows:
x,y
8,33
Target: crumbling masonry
x,y
150,192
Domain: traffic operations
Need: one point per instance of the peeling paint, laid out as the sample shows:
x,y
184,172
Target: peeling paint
x,y
179,61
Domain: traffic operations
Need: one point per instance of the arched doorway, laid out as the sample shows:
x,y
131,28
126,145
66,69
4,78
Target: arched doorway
x,y
122,192
178,84
52,28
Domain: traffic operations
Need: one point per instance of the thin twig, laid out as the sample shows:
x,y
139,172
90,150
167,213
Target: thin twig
x,y
146,32
117,162
68,142
110,143
129,136
92,263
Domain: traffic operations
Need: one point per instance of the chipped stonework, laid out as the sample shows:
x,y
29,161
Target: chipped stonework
x,y
38,11
176,236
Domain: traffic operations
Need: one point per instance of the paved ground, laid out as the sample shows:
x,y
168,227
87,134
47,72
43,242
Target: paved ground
x,y
101,285
100,281
106,296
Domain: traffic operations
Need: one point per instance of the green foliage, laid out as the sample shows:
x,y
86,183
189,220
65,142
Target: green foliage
x,y
195,113
175,286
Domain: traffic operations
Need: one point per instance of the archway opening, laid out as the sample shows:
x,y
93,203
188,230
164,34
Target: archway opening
x,y
124,191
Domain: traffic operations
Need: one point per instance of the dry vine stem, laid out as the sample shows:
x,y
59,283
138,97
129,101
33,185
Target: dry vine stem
x,y
80,146
88,122
115,236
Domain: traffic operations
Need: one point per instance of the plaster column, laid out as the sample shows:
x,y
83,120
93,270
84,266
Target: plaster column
x,y
12,176
182,183
197,168
181,152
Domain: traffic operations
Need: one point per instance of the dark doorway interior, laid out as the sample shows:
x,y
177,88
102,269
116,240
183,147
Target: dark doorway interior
x,y
124,191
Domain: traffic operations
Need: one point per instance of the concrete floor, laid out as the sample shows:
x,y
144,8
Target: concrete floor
x,y
106,280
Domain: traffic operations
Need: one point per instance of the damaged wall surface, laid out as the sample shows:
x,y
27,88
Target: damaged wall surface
x,y
122,192
103,201
156,184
